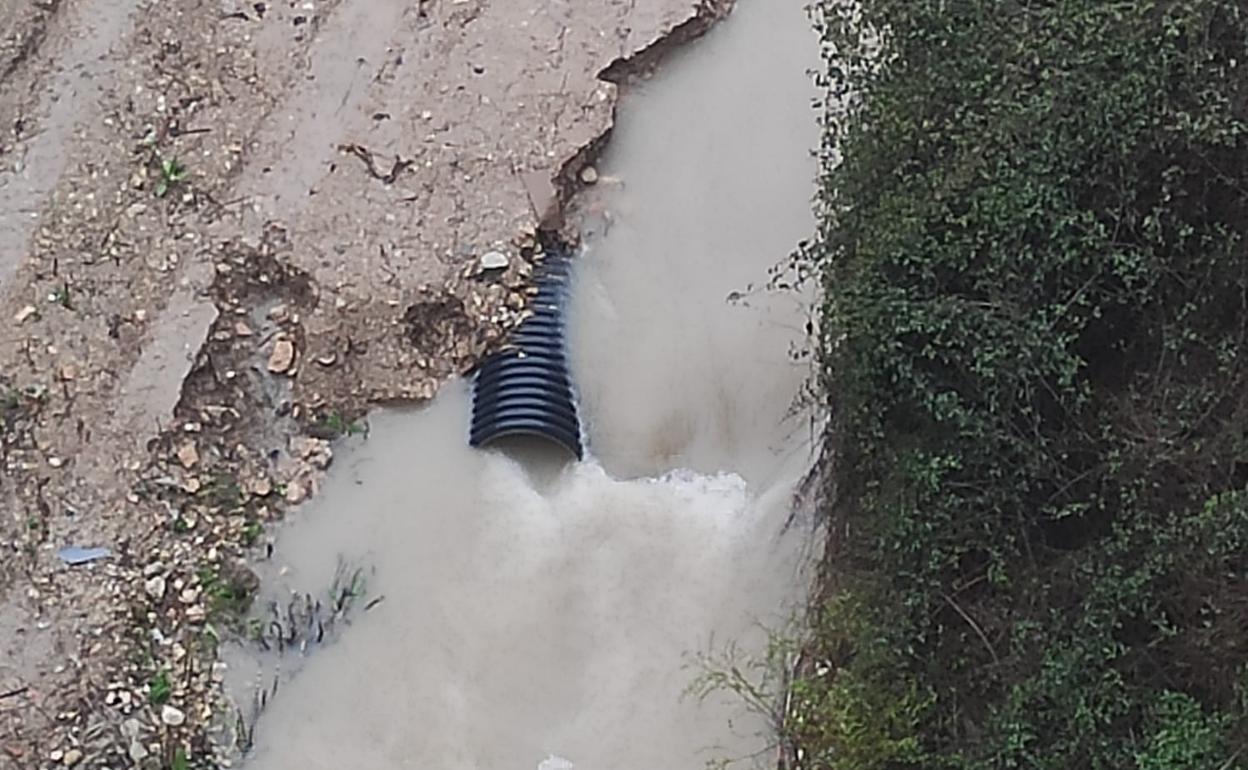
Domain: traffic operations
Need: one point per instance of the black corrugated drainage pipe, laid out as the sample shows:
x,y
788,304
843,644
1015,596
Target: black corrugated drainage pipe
x,y
525,389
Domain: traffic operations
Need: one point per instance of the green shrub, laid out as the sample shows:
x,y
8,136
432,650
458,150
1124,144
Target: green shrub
x,y
1033,349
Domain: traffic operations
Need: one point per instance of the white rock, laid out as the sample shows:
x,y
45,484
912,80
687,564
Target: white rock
x,y
137,752
314,451
494,260
295,493
155,587
306,447
589,175
130,728
218,670
172,716
24,314
260,486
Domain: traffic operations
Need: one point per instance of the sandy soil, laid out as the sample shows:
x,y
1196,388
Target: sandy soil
x,y
229,228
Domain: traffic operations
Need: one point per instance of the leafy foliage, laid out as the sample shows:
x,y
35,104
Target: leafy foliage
x,y
160,688
1033,349
172,173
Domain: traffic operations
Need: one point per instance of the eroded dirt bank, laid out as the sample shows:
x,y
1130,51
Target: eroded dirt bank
x,y
228,227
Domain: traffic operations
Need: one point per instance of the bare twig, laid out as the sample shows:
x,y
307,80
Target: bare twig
x,y
370,163
975,626
1227,764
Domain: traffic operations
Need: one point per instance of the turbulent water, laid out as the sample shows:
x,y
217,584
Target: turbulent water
x,y
544,617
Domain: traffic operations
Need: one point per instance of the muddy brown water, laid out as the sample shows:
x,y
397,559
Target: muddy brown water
x,y
538,616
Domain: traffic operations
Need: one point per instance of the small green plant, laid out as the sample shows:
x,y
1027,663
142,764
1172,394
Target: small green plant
x,y
336,424
209,640
160,689
208,577
180,761
252,531
222,491
10,409
348,585
230,592
63,297
172,172
18,405
758,681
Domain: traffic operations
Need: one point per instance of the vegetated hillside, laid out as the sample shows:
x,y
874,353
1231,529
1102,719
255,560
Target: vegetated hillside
x,y
1034,352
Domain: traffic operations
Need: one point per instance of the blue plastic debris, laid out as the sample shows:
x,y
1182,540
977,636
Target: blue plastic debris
x,y
76,555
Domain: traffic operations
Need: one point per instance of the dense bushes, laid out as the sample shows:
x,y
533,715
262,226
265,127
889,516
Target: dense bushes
x,y
1034,348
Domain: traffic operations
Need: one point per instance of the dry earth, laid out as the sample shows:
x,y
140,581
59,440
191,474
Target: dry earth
x,y
226,230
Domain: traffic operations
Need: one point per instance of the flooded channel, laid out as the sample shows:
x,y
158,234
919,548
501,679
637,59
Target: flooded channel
x,y
555,620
